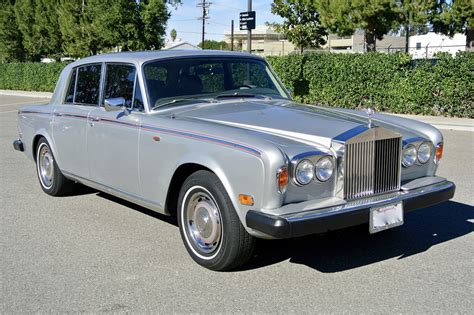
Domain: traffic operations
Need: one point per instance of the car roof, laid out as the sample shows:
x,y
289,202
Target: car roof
x,y
144,56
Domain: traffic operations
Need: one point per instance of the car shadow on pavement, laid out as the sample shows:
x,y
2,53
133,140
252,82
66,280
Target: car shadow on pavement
x,y
354,247
151,213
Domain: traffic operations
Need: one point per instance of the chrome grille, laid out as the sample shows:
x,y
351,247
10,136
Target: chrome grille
x,y
372,167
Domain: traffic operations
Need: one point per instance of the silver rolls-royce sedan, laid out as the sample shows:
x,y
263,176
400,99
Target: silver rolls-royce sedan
x,y
214,139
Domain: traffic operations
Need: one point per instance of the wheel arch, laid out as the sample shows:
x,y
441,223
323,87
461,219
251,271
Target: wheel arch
x,y
34,144
189,166
177,180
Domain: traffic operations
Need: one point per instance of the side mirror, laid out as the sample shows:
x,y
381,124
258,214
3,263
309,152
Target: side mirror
x,y
288,89
115,104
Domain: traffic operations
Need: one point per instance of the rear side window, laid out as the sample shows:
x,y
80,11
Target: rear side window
x,y
70,90
119,82
88,85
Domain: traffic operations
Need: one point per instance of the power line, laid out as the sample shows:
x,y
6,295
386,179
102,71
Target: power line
x,y
190,32
217,23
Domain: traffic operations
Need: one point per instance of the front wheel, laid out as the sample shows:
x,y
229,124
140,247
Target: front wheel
x,y
209,225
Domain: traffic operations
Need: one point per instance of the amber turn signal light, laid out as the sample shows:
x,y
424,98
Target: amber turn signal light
x,y
439,152
282,179
246,200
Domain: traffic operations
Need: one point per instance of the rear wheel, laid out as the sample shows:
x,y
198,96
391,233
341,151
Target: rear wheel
x,y
50,177
209,225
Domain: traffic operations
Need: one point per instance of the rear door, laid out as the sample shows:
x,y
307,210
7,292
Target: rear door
x,y
70,119
112,137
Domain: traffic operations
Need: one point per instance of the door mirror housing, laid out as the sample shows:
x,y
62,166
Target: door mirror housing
x,y
115,104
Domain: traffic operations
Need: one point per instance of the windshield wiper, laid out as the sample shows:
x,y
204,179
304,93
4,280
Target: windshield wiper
x,y
178,100
242,95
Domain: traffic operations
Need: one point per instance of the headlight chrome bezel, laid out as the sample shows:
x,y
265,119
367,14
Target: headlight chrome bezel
x,y
310,170
320,161
409,163
313,158
428,145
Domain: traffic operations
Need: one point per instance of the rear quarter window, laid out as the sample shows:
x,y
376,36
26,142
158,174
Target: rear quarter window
x,y
70,90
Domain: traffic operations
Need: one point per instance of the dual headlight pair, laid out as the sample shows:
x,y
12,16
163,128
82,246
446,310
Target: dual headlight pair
x,y
411,154
306,170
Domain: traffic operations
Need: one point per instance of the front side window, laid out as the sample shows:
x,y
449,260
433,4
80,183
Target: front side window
x,y
88,85
172,81
119,82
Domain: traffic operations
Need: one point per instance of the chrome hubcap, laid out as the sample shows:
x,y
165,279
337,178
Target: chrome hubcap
x,y
46,166
203,222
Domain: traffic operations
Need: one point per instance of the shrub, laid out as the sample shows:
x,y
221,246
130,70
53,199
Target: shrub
x,y
30,76
387,82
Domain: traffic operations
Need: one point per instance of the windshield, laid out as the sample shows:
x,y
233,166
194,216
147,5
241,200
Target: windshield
x,y
171,81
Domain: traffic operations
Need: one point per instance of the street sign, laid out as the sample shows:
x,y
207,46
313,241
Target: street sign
x,y
247,20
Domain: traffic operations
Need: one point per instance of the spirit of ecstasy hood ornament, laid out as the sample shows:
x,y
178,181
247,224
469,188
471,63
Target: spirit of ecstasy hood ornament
x,y
370,113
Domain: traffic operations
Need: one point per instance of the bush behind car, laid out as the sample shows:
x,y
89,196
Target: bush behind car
x,y
387,82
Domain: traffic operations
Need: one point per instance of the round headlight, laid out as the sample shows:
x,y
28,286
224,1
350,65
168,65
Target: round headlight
x,y
409,155
424,152
304,172
324,168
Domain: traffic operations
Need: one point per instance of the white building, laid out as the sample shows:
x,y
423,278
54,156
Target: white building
x,y
427,45
180,45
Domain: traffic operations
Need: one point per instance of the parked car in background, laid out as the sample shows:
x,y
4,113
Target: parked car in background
x,y
214,139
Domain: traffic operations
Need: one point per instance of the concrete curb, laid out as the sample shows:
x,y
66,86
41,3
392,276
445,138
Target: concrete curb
x,y
443,123
440,122
26,93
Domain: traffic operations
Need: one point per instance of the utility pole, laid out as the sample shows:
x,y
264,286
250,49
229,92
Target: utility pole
x,y
205,10
249,31
232,35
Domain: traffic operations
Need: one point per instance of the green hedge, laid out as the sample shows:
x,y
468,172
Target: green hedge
x,y
30,76
387,82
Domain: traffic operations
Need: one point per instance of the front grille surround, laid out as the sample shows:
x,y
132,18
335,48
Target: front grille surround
x,y
372,163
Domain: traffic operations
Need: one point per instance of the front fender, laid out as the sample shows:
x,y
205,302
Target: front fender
x,y
247,178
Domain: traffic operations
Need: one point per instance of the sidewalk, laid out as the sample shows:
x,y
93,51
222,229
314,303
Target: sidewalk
x,y
440,122
26,93
446,123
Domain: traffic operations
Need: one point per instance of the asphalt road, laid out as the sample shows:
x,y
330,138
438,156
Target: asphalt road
x,y
92,252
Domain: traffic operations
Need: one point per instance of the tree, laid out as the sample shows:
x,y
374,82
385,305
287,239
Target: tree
x,y
214,45
153,17
454,16
301,25
46,33
11,39
413,14
173,35
375,17
77,29
25,17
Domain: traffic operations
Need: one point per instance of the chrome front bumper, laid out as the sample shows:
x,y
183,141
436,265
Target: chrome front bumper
x,y
432,191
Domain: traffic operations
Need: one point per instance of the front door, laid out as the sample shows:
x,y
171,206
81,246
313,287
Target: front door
x,y
112,136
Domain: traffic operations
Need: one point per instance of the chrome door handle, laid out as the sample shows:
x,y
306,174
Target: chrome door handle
x,y
92,120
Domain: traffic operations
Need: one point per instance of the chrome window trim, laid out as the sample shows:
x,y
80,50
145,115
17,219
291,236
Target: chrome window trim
x,y
75,85
256,58
101,103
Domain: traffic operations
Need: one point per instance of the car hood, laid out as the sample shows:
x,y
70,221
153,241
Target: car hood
x,y
310,125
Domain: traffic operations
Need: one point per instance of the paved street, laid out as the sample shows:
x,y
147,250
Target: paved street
x,y
92,252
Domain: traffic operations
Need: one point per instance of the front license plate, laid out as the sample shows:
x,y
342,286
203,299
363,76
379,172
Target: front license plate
x,y
386,217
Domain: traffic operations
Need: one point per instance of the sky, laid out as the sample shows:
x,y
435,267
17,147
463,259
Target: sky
x,y
185,20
